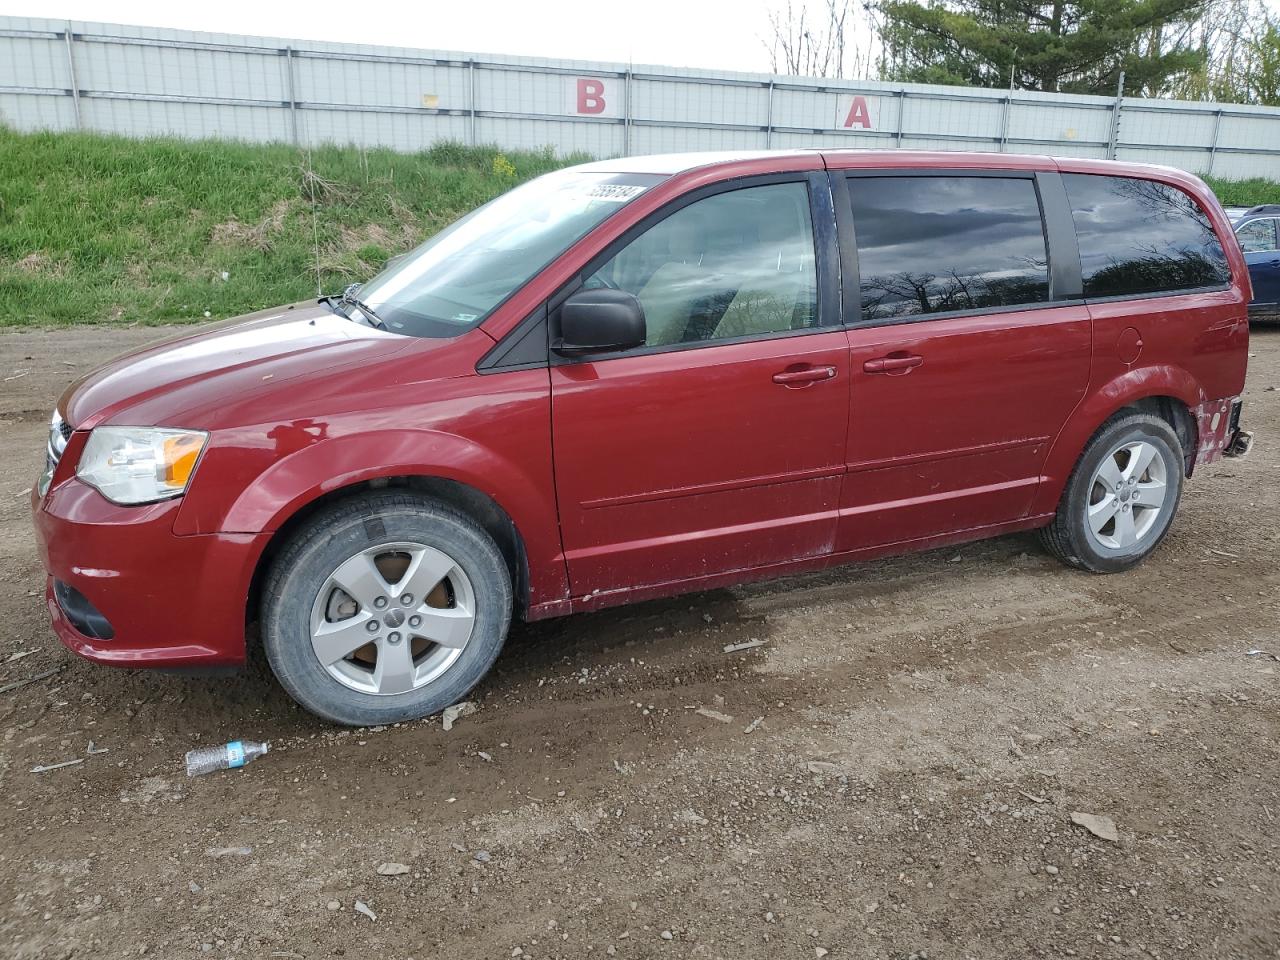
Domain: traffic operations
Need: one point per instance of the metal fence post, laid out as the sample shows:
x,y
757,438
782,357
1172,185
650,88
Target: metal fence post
x,y
626,113
1114,140
471,97
1008,108
71,70
293,94
902,109
1213,147
768,119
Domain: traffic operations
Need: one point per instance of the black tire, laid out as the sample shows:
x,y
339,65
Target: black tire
x,y
344,530
1069,537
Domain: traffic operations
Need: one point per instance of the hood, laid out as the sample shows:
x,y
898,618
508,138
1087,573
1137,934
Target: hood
x,y
183,381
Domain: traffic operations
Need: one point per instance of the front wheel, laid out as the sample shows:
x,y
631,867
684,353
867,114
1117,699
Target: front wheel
x,y
385,607
1121,498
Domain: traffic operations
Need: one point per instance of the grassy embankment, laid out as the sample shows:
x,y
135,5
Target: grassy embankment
x,y
105,229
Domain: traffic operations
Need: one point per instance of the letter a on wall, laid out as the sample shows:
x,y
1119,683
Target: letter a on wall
x,y
853,113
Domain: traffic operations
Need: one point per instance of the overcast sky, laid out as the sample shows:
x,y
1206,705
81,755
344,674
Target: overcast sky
x,y
724,34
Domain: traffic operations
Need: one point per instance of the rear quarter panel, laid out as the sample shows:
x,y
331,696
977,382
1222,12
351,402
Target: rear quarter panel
x,y
1194,347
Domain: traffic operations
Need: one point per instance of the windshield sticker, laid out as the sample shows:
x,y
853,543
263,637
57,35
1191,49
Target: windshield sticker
x,y
465,317
615,192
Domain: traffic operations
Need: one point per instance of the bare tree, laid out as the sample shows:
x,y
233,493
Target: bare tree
x,y
821,44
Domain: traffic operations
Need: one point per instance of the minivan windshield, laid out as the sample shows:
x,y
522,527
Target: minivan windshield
x,y
458,277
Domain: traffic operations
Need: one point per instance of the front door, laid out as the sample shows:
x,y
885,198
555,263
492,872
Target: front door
x,y
719,445
963,366
1260,241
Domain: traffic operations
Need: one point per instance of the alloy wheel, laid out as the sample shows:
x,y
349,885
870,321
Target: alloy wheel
x,y
1127,496
393,618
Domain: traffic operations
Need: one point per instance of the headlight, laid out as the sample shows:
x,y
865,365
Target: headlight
x,y
140,464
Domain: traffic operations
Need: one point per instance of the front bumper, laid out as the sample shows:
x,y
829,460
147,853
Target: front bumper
x,y
171,601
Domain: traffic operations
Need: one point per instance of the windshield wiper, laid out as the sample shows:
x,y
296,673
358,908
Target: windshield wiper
x,y
348,296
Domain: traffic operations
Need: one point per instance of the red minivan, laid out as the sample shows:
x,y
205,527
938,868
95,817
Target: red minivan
x,y
640,377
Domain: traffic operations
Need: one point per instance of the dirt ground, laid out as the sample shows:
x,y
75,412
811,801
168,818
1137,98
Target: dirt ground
x,y
897,780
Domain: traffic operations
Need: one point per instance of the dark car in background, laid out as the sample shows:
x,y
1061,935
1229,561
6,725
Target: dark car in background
x,y
1258,230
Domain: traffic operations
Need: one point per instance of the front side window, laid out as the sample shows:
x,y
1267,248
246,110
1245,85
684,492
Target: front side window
x,y
1140,236
940,244
735,264
458,277
1258,236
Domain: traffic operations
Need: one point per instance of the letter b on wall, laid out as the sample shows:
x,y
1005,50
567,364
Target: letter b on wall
x,y
591,95
596,96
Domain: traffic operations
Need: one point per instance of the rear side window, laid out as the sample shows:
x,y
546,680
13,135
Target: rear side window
x,y
940,244
1258,236
1139,236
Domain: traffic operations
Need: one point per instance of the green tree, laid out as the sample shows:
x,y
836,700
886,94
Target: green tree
x,y
1264,68
1070,46
1240,45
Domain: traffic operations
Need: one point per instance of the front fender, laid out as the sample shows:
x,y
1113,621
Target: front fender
x,y
1163,380
289,482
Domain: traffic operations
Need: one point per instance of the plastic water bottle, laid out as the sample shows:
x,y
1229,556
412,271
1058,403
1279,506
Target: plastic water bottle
x,y
234,754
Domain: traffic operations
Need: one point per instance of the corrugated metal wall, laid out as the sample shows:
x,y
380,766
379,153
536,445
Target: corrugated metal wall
x,y
142,81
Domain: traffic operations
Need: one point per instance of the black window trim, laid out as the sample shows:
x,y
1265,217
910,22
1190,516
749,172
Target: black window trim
x,y
1156,294
1061,248
827,273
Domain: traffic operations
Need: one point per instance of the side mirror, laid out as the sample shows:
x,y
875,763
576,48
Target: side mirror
x,y
600,321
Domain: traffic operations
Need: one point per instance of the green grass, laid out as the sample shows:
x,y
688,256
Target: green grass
x,y
1245,193
97,229
104,229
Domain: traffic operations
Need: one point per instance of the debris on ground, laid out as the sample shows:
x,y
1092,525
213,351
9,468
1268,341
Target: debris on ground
x,y
229,756
1033,798
391,869
362,907
217,852
93,750
823,767
745,645
714,715
19,684
451,715
481,856
753,725
57,766
1104,828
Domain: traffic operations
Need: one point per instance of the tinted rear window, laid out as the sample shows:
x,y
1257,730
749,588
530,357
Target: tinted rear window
x,y
1139,236
938,244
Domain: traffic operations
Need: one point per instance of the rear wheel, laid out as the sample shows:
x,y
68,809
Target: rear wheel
x,y
385,607
1121,498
